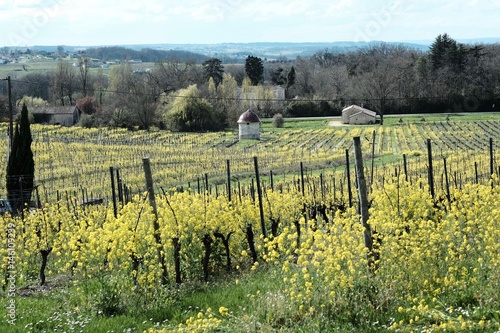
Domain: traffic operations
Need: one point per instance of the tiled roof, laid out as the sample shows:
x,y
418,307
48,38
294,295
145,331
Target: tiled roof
x,y
248,117
53,109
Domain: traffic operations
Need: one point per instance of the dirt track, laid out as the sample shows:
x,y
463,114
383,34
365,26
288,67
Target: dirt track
x,y
336,123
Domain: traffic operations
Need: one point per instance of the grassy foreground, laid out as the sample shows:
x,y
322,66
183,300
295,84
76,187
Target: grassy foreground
x,y
62,307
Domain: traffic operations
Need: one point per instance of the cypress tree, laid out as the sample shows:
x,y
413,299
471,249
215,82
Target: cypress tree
x,y
21,165
213,68
254,69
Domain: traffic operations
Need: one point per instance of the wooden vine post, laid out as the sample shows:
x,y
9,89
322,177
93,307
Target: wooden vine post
x,y
430,173
120,187
492,169
373,159
405,167
228,163
113,191
476,173
447,183
259,194
206,184
156,226
302,179
348,172
271,180
363,200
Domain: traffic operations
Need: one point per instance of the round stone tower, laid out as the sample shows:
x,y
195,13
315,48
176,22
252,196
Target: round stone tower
x,y
249,126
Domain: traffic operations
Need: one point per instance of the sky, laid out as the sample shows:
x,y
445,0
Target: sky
x,y
122,22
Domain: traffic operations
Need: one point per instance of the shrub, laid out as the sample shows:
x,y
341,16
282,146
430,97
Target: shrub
x,y
87,105
302,109
278,120
88,121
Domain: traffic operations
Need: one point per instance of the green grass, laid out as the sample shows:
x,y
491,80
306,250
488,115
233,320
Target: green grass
x,y
253,300
295,124
66,310
390,120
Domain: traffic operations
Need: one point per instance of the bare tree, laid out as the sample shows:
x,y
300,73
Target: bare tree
x,y
237,71
63,83
379,83
33,84
304,80
83,65
135,97
332,82
173,75
99,84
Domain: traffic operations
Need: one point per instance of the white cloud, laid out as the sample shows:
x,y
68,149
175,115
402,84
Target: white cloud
x,y
339,9
97,21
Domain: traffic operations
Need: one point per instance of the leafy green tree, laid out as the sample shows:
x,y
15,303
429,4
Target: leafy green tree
x,y
189,112
21,165
212,68
254,69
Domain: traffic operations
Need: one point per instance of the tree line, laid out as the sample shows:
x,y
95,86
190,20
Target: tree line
x,y
112,53
194,95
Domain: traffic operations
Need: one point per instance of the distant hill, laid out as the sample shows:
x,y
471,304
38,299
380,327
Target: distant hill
x,y
227,52
236,52
271,50
107,53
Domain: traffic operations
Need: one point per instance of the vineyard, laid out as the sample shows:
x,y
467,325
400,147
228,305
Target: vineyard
x,y
258,235
76,160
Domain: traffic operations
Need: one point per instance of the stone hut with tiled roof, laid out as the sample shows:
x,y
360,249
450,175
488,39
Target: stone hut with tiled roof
x,y
357,115
56,115
249,126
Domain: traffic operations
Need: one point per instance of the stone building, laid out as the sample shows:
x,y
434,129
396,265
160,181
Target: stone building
x,y
357,115
249,126
56,115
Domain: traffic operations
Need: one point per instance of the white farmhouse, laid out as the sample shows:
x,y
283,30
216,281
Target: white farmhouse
x,y
357,115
